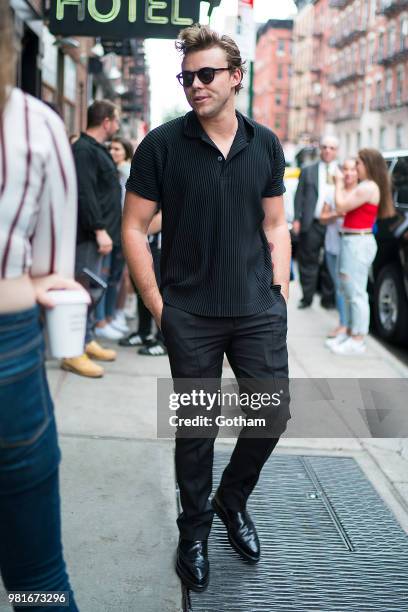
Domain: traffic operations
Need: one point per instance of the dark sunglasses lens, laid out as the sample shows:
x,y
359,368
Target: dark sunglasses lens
x,y
206,75
187,78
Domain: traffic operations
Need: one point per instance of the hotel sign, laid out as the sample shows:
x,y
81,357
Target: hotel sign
x,y
122,18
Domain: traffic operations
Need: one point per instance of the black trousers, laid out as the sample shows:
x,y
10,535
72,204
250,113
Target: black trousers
x,y
310,245
256,349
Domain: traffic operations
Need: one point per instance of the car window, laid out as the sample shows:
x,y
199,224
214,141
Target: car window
x,y
400,182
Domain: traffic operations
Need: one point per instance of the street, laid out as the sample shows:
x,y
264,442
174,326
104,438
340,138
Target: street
x,y
117,480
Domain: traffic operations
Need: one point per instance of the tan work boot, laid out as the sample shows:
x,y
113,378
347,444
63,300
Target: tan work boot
x,y
96,351
83,366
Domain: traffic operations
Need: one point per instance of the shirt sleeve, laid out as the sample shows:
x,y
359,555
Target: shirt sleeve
x,y
89,209
54,239
146,171
275,186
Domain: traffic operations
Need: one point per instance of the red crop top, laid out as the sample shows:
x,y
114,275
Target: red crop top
x,y
361,218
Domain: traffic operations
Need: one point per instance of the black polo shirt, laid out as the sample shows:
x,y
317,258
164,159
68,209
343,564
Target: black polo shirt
x,y
215,257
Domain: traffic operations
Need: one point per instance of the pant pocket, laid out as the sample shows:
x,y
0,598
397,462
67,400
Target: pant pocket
x,y
25,405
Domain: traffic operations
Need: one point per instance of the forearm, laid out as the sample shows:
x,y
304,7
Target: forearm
x,y
140,263
280,246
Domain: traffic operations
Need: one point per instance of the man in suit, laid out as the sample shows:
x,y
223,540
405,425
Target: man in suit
x,y
315,183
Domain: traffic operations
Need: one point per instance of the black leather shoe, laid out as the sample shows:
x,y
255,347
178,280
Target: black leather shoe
x,y
241,530
192,565
303,304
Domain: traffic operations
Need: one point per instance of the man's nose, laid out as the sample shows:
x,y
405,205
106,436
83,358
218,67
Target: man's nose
x,y
196,83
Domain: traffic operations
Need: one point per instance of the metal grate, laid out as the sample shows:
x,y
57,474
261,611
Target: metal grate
x,y
329,544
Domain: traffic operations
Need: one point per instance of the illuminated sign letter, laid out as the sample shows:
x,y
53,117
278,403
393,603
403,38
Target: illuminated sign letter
x,y
175,15
132,10
95,14
79,3
152,5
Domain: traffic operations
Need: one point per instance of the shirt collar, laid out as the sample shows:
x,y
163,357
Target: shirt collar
x,y
94,142
194,129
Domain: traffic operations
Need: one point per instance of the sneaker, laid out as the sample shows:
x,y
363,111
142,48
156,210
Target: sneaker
x,y
350,347
135,339
95,350
108,332
130,306
330,342
119,322
154,349
83,366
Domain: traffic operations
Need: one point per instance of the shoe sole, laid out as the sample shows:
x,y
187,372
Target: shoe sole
x,y
68,368
101,358
188,584
221,515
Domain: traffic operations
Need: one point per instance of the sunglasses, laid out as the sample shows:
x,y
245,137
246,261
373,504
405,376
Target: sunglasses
x,y
206,76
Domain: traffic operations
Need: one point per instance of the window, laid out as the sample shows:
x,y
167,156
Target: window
x,y
400,84
370,137
378,93
383,134
363,51
391,40
281,46
360,95
399,136
380,47
404,33
372,51
278,122
280,71
278,99
388,88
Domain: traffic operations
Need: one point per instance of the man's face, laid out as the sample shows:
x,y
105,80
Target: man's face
x,y
209,100
328,151
112,125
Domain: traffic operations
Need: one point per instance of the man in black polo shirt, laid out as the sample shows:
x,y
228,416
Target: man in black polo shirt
x,y
218,178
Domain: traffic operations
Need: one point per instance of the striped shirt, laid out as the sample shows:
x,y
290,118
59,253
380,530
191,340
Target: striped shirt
x,y
215,258
38,194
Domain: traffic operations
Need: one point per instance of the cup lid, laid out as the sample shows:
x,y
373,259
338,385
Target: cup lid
x,y
69,296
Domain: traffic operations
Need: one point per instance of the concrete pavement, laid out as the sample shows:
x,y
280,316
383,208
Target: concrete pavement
x,y
117,479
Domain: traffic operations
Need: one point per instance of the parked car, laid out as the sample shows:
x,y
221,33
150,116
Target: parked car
x,y
388,285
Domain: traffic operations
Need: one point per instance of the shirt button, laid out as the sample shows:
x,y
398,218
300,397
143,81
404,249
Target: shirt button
x,y
220,158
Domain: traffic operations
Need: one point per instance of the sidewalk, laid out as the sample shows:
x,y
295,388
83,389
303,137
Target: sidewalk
x,y
117,479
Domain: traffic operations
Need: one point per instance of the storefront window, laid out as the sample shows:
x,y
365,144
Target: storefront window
x,y
49,61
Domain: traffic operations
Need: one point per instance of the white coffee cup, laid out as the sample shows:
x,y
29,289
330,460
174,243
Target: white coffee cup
x,y
66,322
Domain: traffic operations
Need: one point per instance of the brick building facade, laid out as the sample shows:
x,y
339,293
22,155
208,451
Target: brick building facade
x,y
272,74
351,68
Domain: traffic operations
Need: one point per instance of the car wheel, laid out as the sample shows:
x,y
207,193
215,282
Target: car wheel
x,y
391,305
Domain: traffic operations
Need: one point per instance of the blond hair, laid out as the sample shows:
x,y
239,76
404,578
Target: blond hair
x,y
199,37
6,52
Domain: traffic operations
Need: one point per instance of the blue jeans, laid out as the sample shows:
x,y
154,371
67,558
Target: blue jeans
x,y
332,262
357,253
112,269
31,557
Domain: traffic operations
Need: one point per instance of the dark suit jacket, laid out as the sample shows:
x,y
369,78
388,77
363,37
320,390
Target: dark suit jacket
x,y
306,196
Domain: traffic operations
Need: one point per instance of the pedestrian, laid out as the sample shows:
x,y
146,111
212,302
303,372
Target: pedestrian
x,y
332,242
362,205
38,204
315,185
218,177
114,300
99,218
111,324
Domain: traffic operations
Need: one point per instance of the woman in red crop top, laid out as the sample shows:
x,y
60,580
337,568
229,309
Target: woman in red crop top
x,y
362,205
